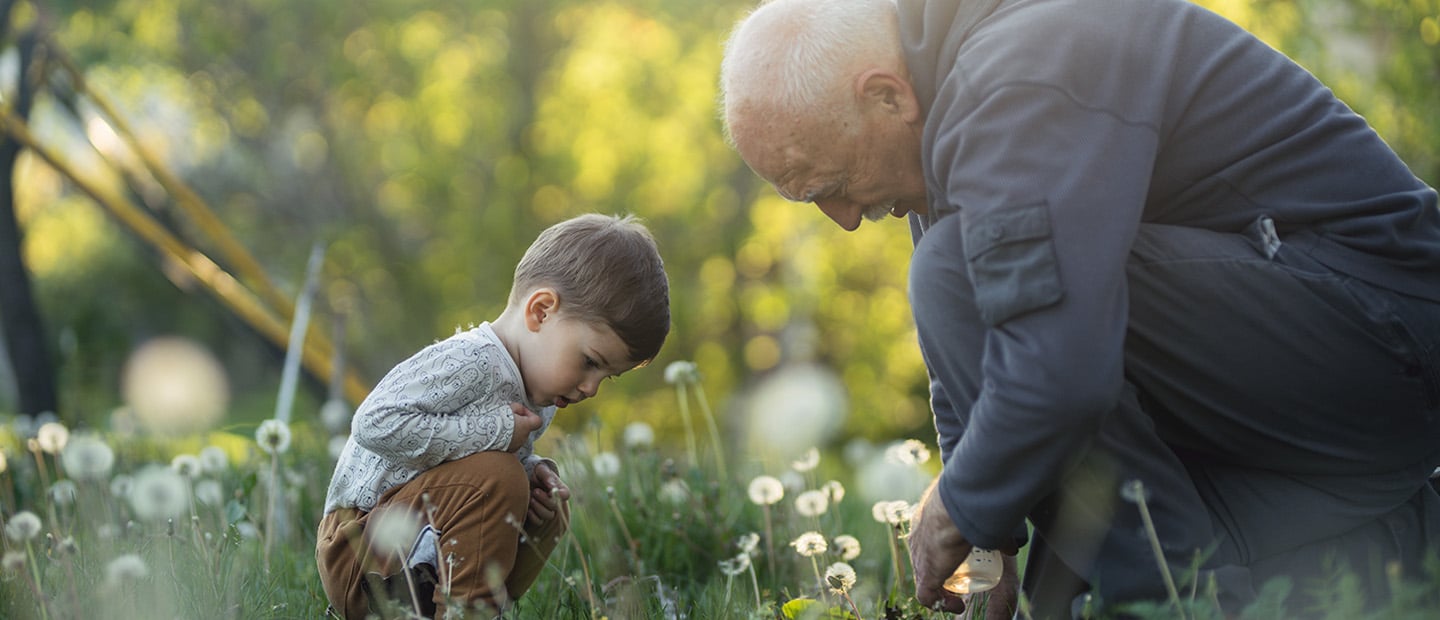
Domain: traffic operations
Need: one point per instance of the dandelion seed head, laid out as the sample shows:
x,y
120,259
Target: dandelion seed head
x,y
794,408
847,546
807,461
605,464
273,436
809,544
674,491
120,485
158,493
63,492
13,562
187,465
766,490
1133,491
209,492
835,490
247,530
392,530
67,546
639,435
335,416
912,452
736,565
840,577
681,372
87,457
24,526
748,543
214,460
175,386
812,503
125,569
52,437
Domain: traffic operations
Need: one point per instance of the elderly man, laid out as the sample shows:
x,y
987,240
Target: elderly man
x,y
1149,249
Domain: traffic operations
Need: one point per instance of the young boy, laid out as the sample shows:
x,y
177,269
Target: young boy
x,y
449,433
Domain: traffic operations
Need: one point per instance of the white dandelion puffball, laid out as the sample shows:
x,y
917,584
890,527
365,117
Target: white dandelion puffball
x,y
214,460
120,485
335,416
681,372
52,437
23,526
392,530
174,385
62,492
794,408
911,452
812,503
736,565
187,465
807,461
835,490
273,436
674,491
748,543
809,543
125,569
766,490
847,546
13,562
605,464
639,435
209,492
840,577
87,457
883,478
158,493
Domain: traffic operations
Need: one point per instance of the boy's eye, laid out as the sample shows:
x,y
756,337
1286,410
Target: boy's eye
x,y
590,362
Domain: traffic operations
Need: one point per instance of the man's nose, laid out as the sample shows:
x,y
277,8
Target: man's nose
x,y
842,212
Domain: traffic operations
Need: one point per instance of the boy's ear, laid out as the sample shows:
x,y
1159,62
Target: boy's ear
x,y
540,306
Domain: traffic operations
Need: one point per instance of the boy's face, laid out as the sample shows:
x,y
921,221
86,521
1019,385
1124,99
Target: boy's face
x,y
567,359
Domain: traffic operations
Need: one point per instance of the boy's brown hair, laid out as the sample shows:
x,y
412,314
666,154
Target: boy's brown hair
x,y
607,270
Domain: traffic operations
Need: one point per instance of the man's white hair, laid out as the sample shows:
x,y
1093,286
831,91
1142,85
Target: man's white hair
x,y
788,55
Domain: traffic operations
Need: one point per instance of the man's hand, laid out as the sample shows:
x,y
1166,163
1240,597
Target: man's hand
x,y
936,549
547,495
526,422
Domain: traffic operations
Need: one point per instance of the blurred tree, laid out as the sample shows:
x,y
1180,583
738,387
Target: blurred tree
x,y
23,329
426,143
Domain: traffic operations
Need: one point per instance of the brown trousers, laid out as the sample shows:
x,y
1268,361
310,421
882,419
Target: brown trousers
x,y
478,506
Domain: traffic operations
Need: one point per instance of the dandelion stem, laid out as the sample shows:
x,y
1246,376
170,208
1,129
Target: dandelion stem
x,y
630,544
270,505
584,570
714,430
769,542
755,583
680,393
1155,547
33,576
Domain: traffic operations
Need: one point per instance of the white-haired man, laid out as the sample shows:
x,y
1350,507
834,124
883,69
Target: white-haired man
x,y
1149,248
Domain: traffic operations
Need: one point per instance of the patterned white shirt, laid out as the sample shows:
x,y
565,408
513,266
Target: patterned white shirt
x,y
450,400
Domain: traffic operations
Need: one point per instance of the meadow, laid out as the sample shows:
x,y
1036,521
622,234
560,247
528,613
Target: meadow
x,y
114,524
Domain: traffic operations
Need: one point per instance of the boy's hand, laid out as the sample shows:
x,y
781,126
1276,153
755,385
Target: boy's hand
x,y
547,495
526,422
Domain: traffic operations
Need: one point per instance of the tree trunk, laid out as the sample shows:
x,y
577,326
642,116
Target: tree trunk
x,y
19,318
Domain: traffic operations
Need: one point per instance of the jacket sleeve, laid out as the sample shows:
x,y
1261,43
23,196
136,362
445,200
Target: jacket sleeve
x,y
436,407
1050,194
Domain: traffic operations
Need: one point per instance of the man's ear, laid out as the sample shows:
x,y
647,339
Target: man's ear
x,y
540,306
889,92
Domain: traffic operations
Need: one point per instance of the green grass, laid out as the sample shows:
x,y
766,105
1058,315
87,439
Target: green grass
x,y
647,541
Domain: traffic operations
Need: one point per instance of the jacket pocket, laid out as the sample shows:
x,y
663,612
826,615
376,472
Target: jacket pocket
x,y
1012,262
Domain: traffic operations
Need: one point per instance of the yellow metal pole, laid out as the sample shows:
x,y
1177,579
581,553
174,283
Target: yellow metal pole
x,y
233,294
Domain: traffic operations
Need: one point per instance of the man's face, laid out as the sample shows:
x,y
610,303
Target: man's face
x,y
850,167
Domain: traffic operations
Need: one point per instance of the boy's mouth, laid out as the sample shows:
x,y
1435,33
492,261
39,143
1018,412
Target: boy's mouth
x,y
561,401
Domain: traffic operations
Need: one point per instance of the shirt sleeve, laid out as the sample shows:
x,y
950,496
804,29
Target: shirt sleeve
x,y
437,406
1050,194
